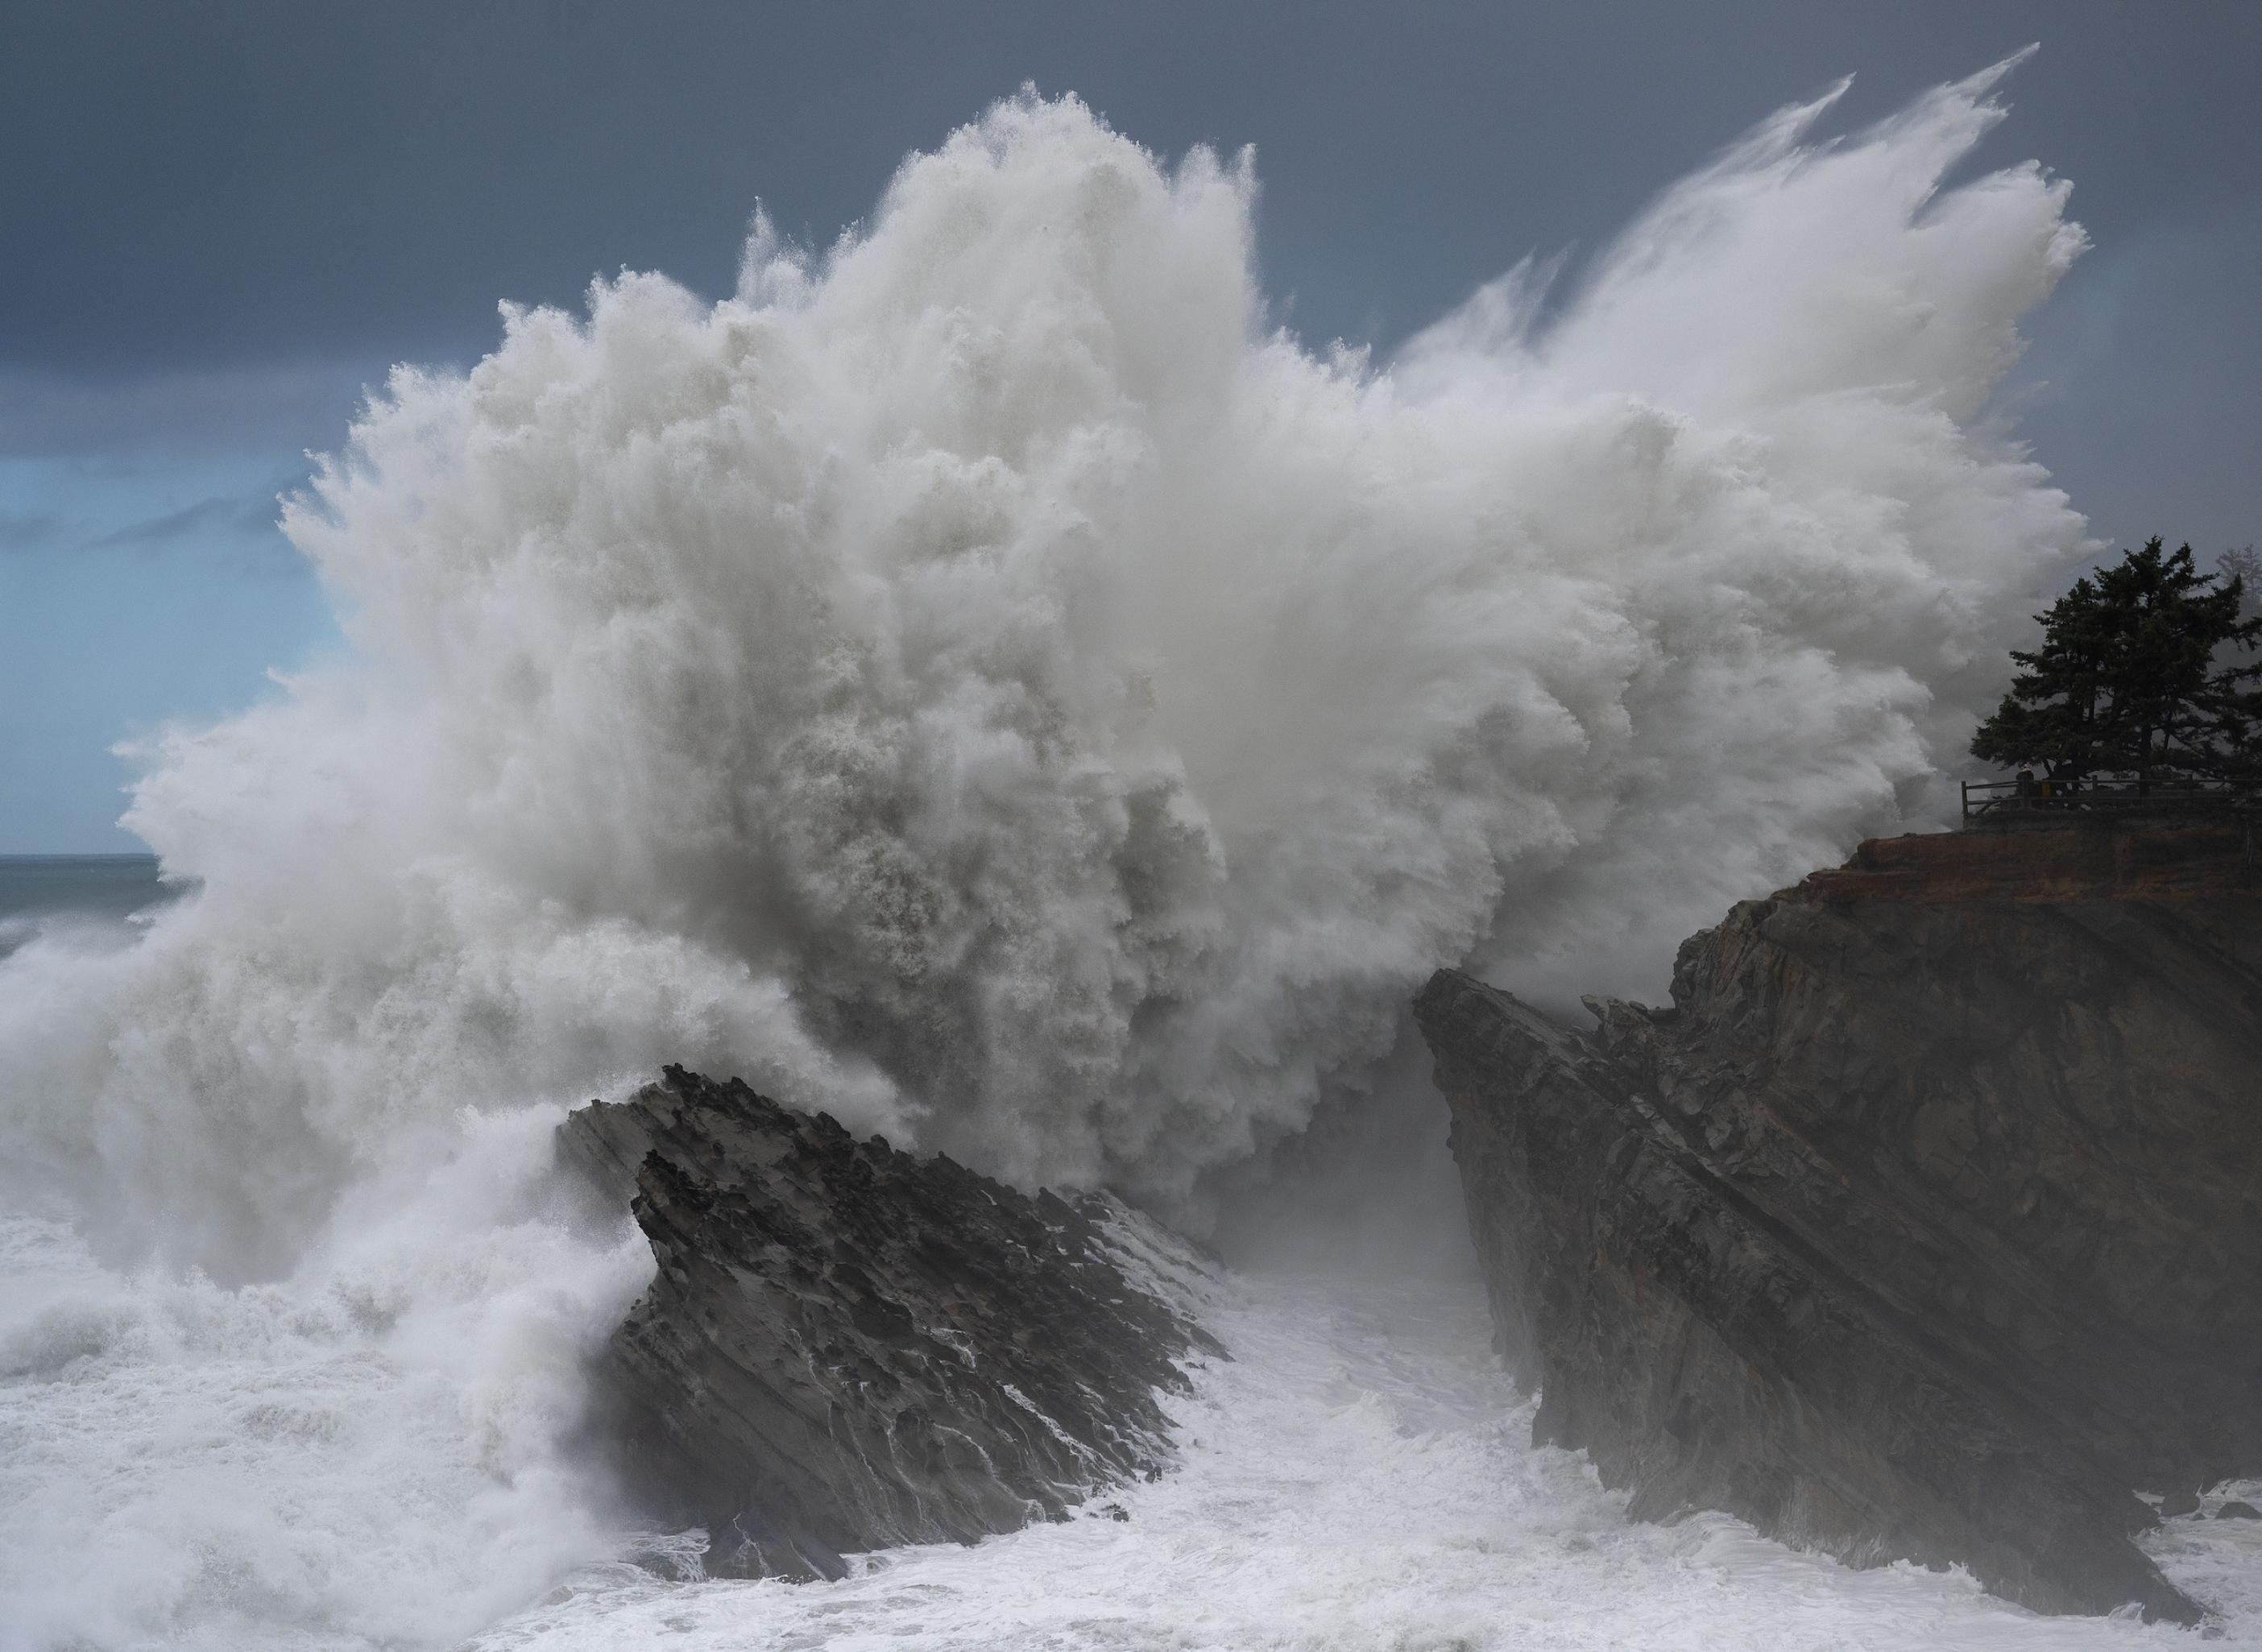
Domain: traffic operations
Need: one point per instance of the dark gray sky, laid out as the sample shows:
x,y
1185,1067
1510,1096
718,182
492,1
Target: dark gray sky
x,y
221,219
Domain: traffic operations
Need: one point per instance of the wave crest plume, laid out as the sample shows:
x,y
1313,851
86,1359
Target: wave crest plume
x,y
988,682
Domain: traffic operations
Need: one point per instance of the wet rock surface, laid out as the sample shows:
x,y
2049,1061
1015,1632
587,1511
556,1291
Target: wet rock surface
x,y
847,1346
1924,1224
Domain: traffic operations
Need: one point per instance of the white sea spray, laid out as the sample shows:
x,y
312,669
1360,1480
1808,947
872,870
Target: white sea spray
x,y
986,680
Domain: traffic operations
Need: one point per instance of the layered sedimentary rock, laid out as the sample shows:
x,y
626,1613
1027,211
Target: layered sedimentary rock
x,y
1926,1222
847,1346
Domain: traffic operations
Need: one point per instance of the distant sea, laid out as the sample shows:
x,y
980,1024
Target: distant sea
x,y
38,891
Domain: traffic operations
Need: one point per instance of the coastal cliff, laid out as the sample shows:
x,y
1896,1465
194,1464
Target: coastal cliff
x,y
1926,1222
847,1346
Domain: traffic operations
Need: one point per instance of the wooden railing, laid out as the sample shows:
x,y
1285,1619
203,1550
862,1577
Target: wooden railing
x,y
1997,799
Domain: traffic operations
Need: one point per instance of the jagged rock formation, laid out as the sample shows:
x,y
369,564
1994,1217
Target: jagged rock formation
x,y
849,1347
1926,1222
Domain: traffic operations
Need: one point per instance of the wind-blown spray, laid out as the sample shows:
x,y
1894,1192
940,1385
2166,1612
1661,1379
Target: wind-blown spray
x,y
984,681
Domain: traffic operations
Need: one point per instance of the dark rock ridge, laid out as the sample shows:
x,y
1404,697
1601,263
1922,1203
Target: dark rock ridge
x,y
849,1347
1926,1223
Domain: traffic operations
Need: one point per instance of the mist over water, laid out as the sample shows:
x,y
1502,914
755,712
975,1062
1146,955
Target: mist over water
x,y
984,680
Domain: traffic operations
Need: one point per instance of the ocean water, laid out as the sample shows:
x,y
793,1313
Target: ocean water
x,y
986,679
92,894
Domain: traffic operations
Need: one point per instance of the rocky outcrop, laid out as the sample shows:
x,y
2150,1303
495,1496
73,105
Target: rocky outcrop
x,y
1926,1222
847,1348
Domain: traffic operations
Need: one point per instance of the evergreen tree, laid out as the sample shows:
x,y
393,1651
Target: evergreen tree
x,y
2140,675
2245,567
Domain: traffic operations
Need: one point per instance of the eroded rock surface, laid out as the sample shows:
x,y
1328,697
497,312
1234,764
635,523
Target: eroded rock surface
x,y
1926,1223
849,1347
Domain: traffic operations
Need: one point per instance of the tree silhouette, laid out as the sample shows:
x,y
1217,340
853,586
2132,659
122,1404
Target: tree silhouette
x,y
2139,677
2244,567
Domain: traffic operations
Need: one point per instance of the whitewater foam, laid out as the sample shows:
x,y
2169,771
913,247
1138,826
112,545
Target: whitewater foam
x,y
985,681
365,1453
1359,1477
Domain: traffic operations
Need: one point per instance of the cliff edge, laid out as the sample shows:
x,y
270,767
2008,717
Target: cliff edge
x,y
1926,1222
